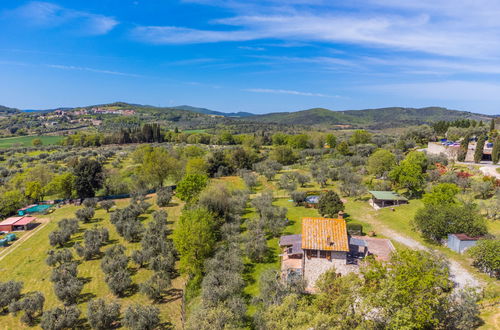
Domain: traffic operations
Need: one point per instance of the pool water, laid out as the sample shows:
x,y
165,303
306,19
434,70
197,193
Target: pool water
x,y
37,209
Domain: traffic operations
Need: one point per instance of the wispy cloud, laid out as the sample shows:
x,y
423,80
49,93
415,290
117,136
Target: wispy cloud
x,y
424,26
46,14
79,68
258,49
284,91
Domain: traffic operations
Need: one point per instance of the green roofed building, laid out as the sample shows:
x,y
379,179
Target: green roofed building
x,y
386,198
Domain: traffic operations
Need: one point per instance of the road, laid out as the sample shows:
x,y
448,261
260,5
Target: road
x,y
461,276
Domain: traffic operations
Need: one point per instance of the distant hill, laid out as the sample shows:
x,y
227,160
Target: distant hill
x,y
7,110
213,112
370,118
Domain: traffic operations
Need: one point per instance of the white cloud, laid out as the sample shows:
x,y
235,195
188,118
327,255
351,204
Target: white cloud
x,y
257,49
79,68
180,35
467,28
284,91
46,14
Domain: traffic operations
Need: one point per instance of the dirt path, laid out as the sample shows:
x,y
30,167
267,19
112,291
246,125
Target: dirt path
x,y
8,250
461,276
490,170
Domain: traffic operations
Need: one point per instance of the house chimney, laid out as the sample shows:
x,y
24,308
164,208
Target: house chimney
x,y
341,215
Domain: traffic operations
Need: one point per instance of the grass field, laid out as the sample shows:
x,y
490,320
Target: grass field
x,y
193,131
26,141
27,264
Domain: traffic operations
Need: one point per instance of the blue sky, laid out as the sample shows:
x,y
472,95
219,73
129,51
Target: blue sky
x,y
257,56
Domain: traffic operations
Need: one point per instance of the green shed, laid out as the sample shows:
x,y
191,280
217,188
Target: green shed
x,y
386,198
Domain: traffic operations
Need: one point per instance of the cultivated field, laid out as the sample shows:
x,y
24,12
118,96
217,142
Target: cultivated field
x,y
26,141
27,264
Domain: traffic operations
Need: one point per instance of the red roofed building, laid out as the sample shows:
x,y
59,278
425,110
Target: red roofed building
x,y
17,223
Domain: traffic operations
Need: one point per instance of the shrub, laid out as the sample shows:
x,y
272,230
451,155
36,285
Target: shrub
x,y
141,317
485,255
164,196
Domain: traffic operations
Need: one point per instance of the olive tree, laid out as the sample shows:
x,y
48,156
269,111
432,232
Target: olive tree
x,y
32,306
10,292
102,315
60,318
141,317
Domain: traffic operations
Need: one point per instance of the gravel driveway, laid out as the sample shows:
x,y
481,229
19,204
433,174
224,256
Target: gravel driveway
x,y
461,276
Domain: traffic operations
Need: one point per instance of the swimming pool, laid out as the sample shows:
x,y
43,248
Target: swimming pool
x,y
40,208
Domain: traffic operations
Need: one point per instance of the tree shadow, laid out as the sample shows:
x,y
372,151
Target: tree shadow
x,y
84,297
112,241
172,294
132,289
165,326
248,269
85,280
82,323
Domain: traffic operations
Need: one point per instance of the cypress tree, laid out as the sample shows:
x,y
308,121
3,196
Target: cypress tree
x,y
495,154
478,153
464,147
492,125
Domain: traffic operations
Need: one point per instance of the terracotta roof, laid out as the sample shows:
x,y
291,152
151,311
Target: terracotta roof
x,y
24,221
324,234
10,221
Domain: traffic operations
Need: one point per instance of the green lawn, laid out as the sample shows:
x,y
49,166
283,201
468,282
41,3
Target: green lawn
x,y
27,264
26,141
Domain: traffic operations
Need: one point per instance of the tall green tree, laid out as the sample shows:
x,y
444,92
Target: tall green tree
x,y
435,222
190,186
331,140
194,239
62,185
88,177
478,153
443,193
330,204
410,292
409,173
464,147
283,155
381,162
157,166
360,136
495,153
10,201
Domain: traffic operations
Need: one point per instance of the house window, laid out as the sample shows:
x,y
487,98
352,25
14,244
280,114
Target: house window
x,y
314,253
322,254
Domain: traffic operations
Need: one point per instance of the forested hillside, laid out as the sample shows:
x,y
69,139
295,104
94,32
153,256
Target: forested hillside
x,y
371,118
